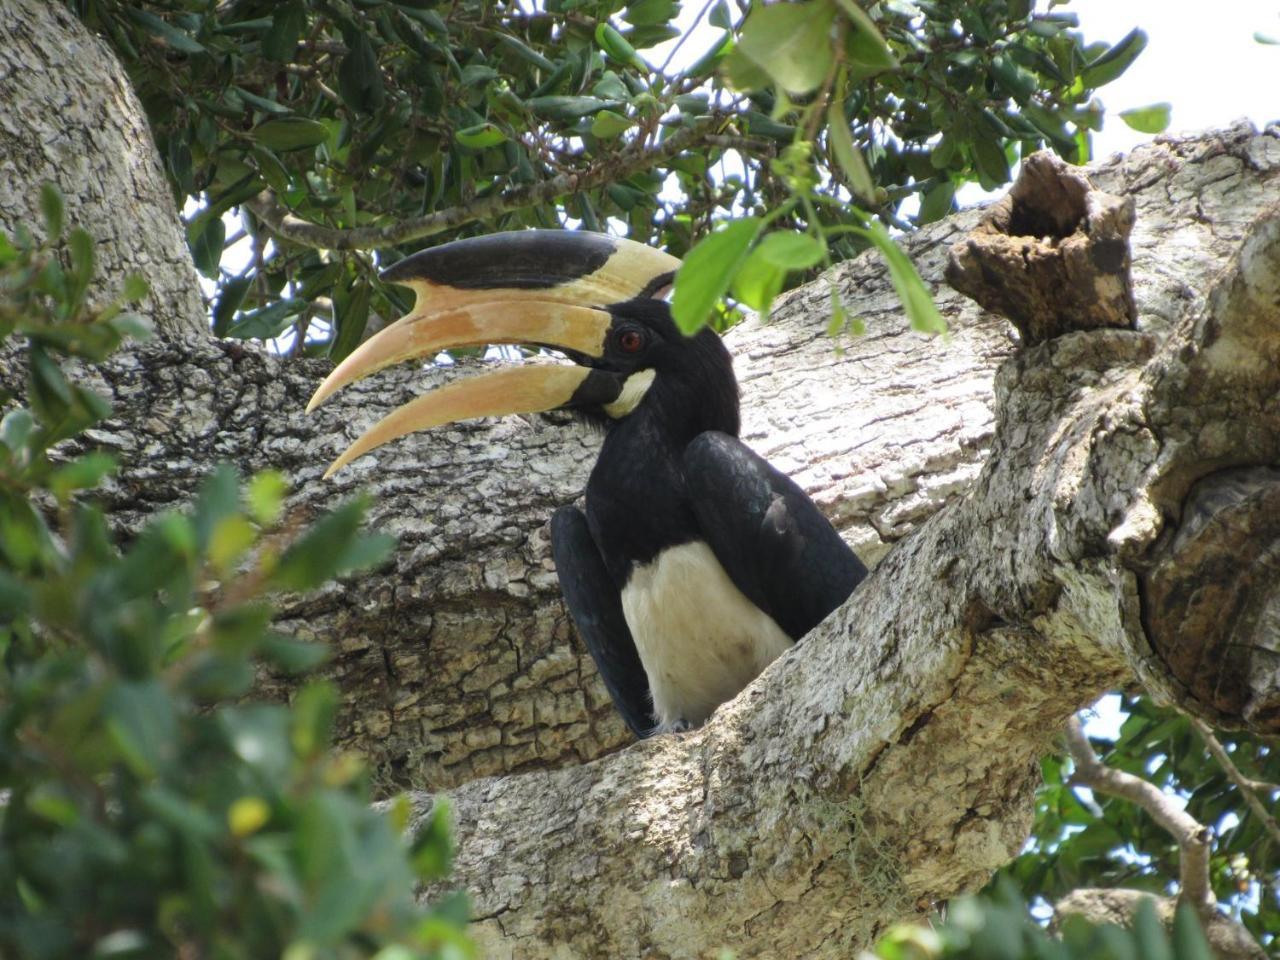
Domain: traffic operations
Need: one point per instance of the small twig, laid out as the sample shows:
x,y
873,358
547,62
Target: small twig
x,y
307,234
1248,788
313,75
1193,838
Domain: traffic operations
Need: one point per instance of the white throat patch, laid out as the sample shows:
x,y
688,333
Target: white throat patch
x,y
633,390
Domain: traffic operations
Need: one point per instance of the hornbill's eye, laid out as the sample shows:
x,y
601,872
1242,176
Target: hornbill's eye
x,y
631,340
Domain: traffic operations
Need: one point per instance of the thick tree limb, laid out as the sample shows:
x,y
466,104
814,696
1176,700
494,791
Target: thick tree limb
x,y
70,117
629,162
890,759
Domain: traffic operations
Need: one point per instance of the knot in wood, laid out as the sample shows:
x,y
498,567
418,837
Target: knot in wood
x,y
1052,255
1211,601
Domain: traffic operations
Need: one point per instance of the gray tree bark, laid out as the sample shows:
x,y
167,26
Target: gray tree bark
x,y
1050,517
69,116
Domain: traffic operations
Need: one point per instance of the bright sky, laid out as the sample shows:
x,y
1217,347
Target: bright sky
x,y
1201,58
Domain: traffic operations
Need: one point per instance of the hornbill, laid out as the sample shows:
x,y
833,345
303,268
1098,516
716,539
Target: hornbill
x,y
696,563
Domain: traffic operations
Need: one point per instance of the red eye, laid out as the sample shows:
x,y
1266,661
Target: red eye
x,y
630,341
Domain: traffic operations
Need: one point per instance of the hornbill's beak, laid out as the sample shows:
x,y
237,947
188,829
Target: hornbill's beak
x,y
545,287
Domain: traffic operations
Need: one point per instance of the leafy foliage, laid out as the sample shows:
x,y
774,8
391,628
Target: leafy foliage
x,y
381,124
997,928
147,808
1089,839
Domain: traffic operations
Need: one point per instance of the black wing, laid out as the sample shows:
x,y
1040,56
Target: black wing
x,y
771,539
596,609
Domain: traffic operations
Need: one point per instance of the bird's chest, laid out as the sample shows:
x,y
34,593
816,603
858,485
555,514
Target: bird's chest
x,y
699,638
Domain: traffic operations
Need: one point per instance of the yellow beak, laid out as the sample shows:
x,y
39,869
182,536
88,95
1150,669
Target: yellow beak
x,y
545,287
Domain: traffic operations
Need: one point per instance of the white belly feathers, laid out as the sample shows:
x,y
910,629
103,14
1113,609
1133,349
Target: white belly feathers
x,y
700,640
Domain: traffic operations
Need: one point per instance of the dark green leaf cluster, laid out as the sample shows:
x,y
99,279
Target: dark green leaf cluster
x,y
147,808
997,927
368,114
1103,841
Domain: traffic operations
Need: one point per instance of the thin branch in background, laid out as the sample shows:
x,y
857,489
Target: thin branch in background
x,y
1194,839
1249,789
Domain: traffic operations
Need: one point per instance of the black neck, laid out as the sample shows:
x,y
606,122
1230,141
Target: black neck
x,y
636,500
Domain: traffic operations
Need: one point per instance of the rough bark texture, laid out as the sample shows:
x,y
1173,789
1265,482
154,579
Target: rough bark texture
x,y
1056,495
1052,255
68,116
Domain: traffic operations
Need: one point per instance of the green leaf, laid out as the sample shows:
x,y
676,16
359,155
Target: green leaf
x,y
330,546
135,288
81,246
1188,937
314,709
916,301
15,429
50,392
359,77
525,52
262,103
229,299
848,156
177,39
352,315
218,499
82,473
610,87
708,270
283,134
568,108
1152,943
1115,61
760,278
791,251
292,656
616,46
481,136
269,321
742,72
477,74
259,736
758,282
206,244
143,725
265,496
608,124
1149,119
791,42
992,162
866,49
54,211
287,23
432,845
649,12
936,202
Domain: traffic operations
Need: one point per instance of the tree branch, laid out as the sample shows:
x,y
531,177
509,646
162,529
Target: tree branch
x,y
1194,839
628,163
1249,789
